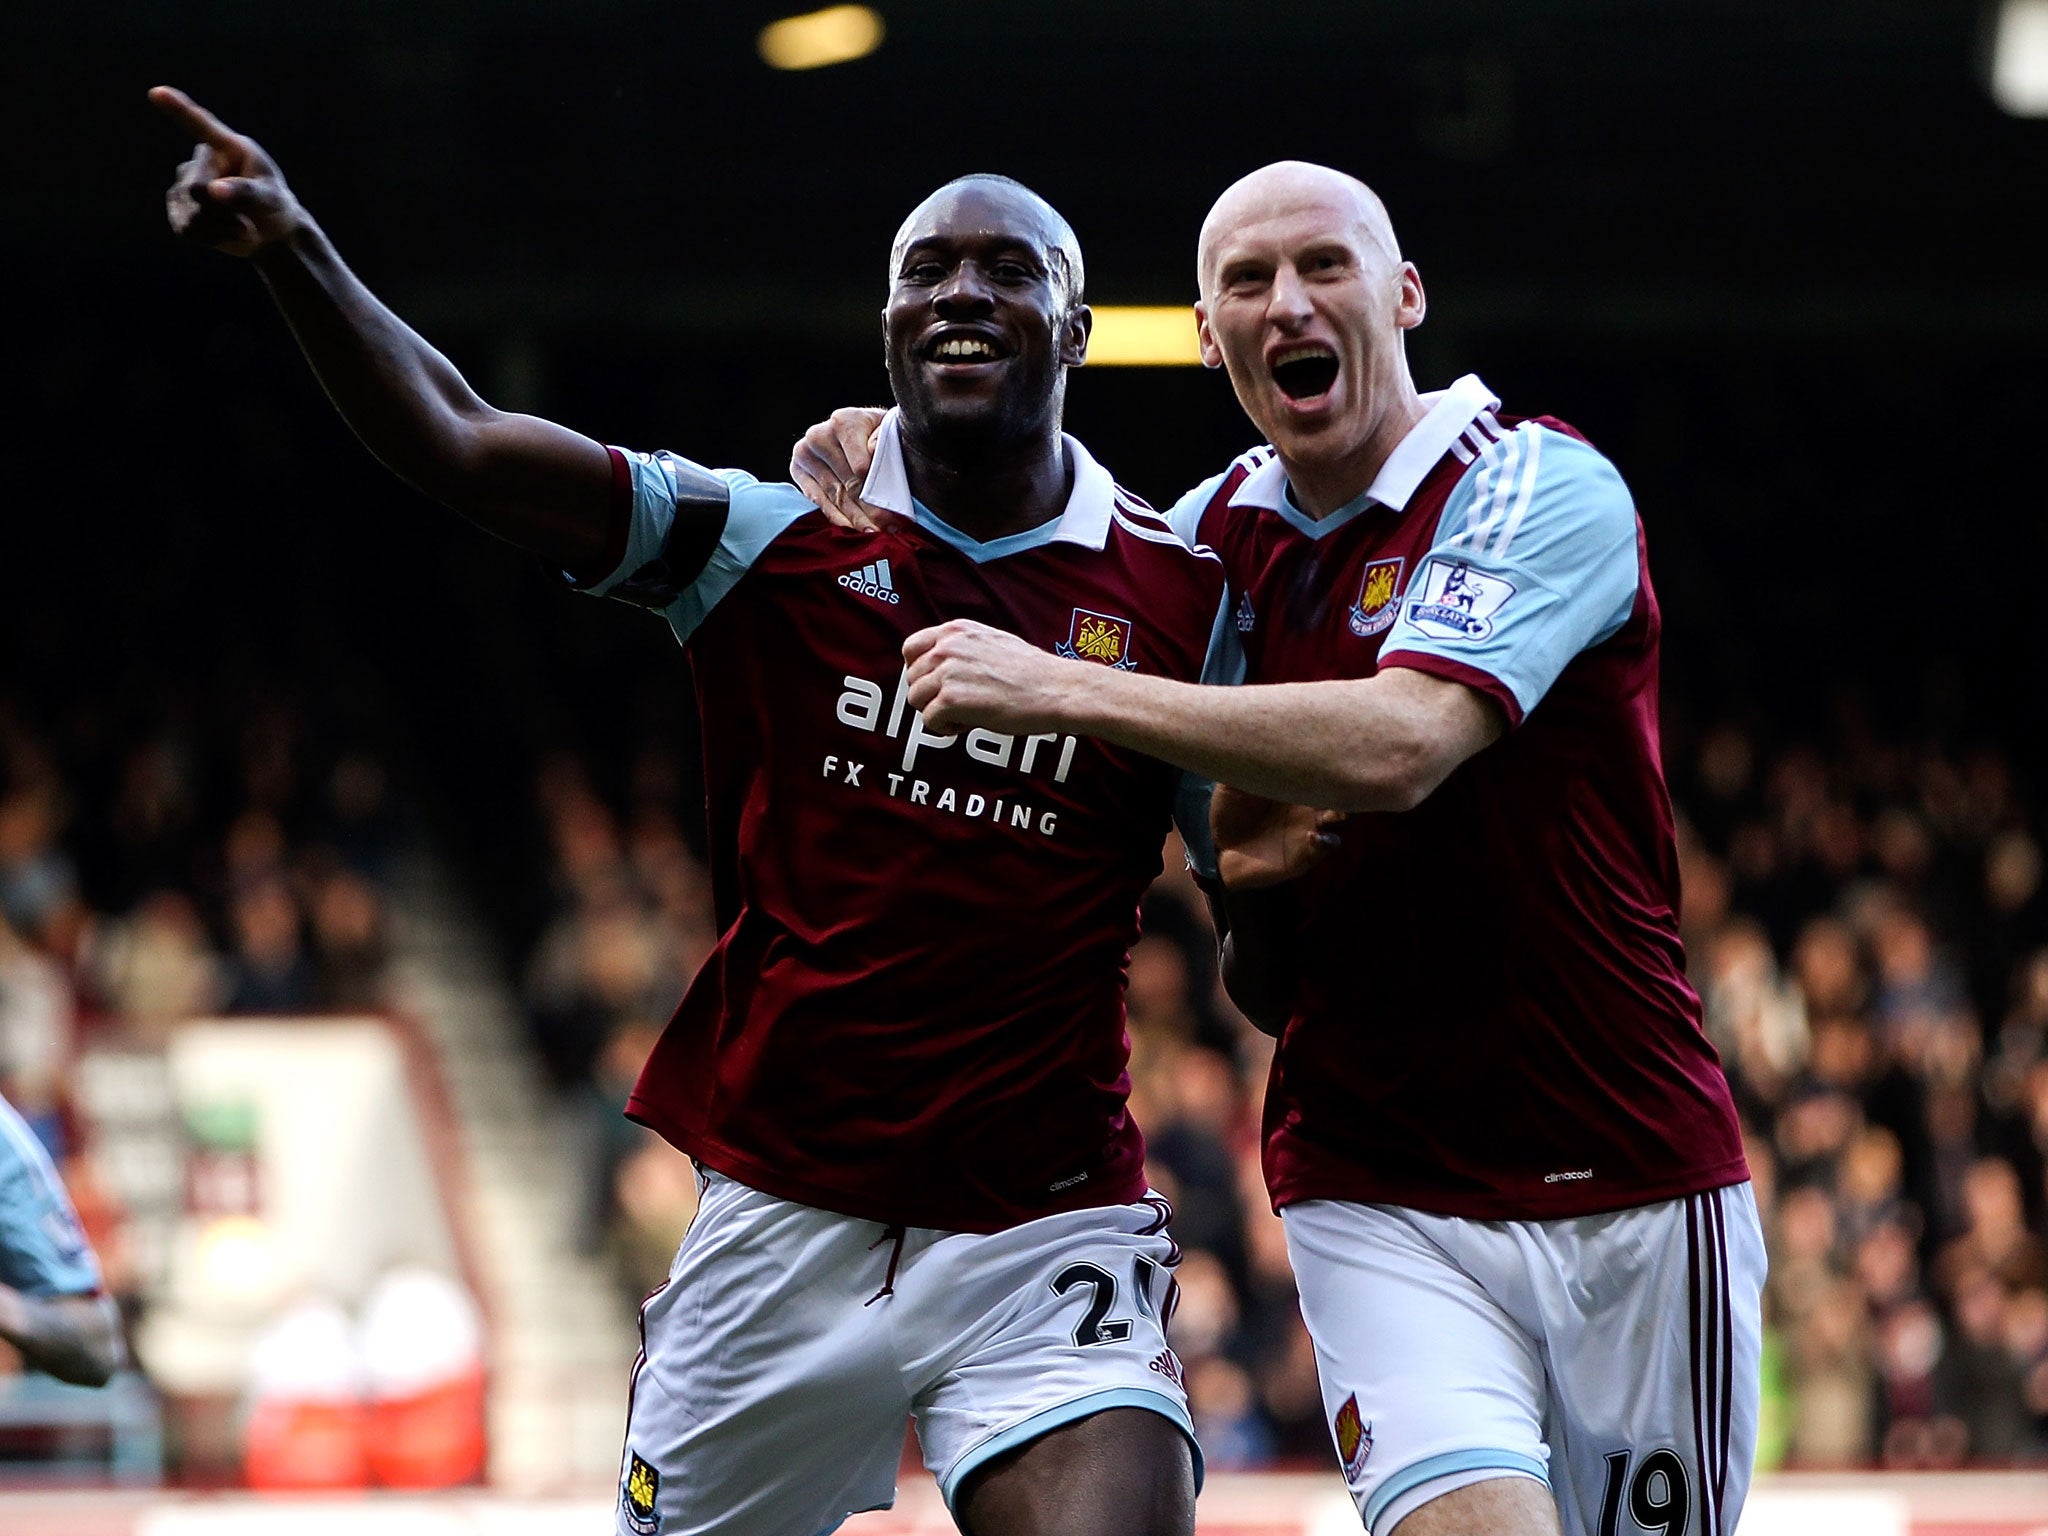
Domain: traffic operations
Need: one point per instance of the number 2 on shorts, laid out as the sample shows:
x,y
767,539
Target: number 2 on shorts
x,y
1658,1497
1092,1329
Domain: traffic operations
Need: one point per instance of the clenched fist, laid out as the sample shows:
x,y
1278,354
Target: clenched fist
x,y
230,194
962,674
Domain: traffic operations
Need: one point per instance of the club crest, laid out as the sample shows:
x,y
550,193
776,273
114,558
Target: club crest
x,y
1098,637
637,1496
1378,591
1354,1437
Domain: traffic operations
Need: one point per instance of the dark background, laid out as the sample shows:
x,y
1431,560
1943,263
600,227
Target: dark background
x,y
1775,259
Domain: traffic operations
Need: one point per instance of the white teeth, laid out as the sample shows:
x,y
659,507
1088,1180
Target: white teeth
x,y
962,346
1298,354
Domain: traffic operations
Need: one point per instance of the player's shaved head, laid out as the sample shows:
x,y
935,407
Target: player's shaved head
x,y
1290,186
1015,201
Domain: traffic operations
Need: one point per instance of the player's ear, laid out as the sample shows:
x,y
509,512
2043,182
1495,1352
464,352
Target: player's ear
x,y
1074,334
1212,355
1412,303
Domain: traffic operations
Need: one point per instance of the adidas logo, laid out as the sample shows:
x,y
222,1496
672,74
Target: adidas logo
x,y
871,581
1245,617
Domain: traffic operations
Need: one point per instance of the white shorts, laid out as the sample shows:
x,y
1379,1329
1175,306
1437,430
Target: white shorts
x,y
790,1345
1613,1357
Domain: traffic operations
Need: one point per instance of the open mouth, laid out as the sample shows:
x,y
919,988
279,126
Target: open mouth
x,y
1305,372
963,349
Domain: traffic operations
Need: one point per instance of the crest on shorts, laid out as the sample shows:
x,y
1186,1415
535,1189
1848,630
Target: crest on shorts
x,y
1377,589
637,1495
1354,1438
1099,637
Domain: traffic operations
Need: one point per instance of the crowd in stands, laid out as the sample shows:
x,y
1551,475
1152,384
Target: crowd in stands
x,y
1867,928
204,857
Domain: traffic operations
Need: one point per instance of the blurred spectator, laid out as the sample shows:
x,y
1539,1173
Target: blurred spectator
x,y
1901,1173
268,969
36,1018
155,963
348,942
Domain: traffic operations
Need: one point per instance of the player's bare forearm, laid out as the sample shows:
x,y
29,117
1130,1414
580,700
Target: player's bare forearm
x,y
1373,744
1381,743
74,1338
530,482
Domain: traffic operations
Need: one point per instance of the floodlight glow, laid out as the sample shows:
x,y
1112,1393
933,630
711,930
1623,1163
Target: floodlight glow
x,y
831,36
2019,59
1144,336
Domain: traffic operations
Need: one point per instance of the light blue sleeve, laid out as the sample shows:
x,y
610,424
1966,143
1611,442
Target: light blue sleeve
x,y
1534,560
1185,515
43,1251
757,515
1224,667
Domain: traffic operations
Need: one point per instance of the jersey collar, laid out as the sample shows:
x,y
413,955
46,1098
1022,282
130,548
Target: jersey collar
x,y
1450,412
1085,521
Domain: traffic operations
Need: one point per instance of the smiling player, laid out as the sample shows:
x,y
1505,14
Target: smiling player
x,y
1507,1160
902,1070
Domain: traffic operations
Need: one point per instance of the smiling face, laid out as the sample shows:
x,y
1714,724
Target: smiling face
x,y
1304,301
984,314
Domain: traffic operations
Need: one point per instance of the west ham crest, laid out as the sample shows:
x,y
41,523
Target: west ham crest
x,y
637,1496
1354,1438
1377,590
1098,637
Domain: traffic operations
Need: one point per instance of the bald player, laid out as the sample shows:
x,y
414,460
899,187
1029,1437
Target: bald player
x,y
902,1072
1505,1154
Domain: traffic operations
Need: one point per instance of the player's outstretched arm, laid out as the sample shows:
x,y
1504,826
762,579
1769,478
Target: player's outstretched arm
x,y
74,1338
536,484
1381,743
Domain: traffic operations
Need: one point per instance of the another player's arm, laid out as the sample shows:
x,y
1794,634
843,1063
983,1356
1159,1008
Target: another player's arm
x,y
830,465
74,1338
531,482
1562,572
1382,743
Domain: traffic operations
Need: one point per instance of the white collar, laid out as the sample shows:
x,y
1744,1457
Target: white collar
x,y
1088,509
1451,411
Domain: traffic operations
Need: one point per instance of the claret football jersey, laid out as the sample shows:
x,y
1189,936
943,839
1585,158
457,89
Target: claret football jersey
x,y
914,1012
1492,1018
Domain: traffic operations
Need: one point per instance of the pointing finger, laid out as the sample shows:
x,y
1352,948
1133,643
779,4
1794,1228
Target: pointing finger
x,y
187,113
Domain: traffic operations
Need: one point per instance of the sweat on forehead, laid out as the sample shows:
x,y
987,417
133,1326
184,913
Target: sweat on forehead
x,y
1016,206
1290,186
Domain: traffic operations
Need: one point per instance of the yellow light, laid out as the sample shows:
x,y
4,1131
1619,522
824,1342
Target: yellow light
x,y
831,36
238,1255
1144,336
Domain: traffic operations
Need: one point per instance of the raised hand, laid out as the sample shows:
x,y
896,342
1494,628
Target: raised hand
x,y
1262,842
230,195
830,464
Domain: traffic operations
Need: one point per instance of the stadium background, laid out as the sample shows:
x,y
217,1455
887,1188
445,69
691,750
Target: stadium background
x,y
279,738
